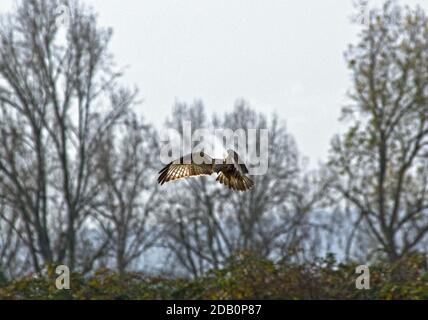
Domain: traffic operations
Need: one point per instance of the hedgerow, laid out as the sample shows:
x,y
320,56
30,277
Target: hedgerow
x,y
245,276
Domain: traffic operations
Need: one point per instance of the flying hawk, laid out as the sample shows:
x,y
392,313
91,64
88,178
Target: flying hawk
x,y
231,170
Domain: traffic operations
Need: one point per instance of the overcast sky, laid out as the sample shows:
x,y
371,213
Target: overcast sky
x,y
280,55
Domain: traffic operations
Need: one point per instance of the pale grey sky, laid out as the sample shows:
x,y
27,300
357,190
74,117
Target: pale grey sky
x,y
280,55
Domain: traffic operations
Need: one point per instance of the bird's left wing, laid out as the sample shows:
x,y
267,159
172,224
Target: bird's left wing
x,y
193,164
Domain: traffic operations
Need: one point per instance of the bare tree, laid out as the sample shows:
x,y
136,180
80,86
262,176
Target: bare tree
x,y
204,223
13,259
58,98
381,163
128,190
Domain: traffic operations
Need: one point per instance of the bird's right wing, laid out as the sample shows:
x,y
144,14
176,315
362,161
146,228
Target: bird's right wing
x,y
193,164
235,180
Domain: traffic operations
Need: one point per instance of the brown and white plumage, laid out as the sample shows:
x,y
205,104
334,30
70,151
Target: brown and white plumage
x,y
231,171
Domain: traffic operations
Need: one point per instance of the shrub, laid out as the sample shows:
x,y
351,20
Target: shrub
x,y
244,276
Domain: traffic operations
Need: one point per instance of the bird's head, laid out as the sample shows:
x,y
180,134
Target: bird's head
x,y
230,153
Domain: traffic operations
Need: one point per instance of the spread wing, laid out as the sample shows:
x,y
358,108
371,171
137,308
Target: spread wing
x,y
233,174
193,164
235,180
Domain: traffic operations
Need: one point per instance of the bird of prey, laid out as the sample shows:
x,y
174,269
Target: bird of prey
x,y
231,170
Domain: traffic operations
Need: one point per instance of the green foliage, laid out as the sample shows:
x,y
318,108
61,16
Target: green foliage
x,y
245,276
